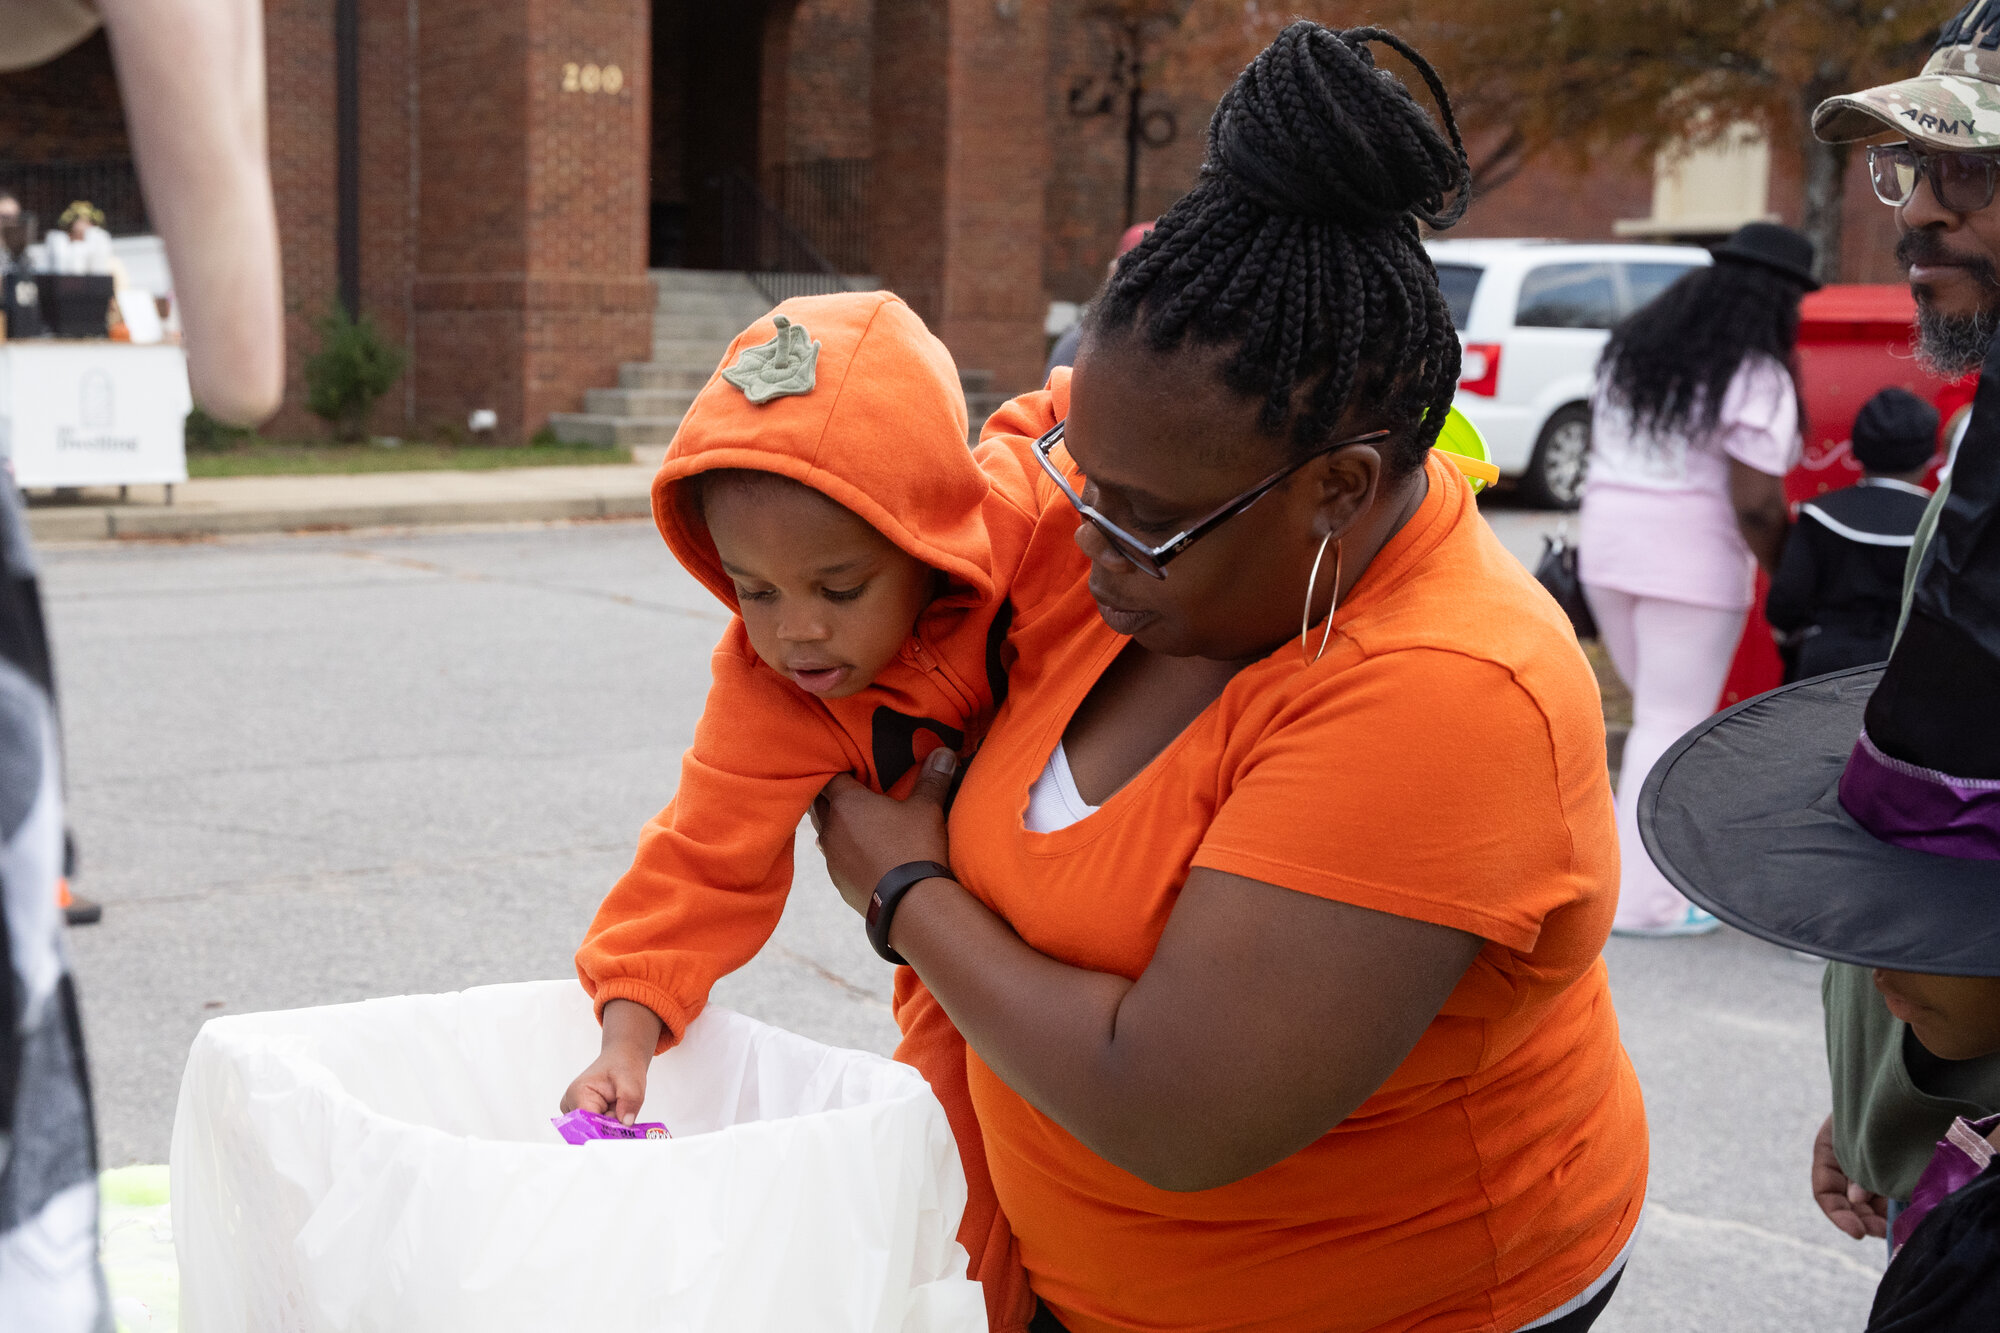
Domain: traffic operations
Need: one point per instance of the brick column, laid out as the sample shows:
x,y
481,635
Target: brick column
x,y
960,157
530,278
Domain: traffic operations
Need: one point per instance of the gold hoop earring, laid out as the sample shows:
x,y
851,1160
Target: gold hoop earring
x,y
1305,620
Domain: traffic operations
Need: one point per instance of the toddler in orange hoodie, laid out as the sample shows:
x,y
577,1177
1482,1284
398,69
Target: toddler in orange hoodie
x,y
820,486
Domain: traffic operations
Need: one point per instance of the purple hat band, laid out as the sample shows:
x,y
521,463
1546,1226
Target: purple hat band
x,y
1921,808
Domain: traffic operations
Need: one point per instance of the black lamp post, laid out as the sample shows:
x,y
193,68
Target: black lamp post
x,y
1123,88
347,152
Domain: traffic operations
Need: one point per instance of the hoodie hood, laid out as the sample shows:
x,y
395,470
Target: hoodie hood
x,y
874,418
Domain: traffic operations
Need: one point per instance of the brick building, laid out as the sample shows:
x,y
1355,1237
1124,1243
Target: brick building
x,y
493,179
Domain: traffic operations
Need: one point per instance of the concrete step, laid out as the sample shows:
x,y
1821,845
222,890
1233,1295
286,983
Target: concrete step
x,y
654,375
717,328
685,280
690,353
637,402
700,280
611,432
749,303
979,406
975,381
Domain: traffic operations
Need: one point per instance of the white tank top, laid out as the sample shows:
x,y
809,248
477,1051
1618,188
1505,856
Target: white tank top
x,y
1053,802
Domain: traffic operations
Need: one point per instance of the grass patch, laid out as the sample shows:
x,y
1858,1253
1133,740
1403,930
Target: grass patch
x,y
262,458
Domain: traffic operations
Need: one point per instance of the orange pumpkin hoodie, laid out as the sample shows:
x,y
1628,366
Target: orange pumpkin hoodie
x,y
882,431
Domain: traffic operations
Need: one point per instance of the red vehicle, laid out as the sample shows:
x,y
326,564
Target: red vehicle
x,y
1853,342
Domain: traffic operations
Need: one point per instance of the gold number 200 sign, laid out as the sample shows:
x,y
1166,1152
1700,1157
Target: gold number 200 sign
x,y
591,78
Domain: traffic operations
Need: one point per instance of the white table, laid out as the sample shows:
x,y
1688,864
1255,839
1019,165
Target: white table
x,y
93,413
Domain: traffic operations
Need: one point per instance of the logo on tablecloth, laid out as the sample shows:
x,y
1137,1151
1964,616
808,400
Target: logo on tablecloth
x,y
94,401
96,413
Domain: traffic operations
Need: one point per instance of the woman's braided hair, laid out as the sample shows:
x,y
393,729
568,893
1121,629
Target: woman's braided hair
x,y
1298,245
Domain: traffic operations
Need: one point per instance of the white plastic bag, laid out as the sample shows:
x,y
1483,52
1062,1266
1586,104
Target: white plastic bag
x,y
389,1166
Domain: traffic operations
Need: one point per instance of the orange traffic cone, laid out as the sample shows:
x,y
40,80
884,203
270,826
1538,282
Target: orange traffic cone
x,y
77,911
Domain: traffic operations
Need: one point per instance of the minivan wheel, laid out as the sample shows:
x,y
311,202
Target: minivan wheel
x,y
1554,479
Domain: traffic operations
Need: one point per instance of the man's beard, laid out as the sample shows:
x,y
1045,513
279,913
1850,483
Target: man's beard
x,y
1950,346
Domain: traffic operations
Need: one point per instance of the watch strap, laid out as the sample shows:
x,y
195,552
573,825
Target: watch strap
x,y
889,891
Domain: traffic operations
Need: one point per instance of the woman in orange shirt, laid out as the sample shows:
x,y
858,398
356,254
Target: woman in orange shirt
x,y
1276,949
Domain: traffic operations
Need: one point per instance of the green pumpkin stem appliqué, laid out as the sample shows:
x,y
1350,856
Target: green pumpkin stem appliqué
x,y
785,365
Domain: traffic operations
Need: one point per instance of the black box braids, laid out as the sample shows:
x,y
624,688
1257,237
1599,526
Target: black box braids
x,y
1300,245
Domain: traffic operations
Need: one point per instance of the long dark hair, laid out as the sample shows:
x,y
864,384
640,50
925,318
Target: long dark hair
x,y
1670,362
1298,246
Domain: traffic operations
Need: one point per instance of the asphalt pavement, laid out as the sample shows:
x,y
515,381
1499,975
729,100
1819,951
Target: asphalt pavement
x,y
306,770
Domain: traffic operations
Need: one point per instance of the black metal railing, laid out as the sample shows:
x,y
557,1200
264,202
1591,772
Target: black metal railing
x,y
827,200
760,241
45,189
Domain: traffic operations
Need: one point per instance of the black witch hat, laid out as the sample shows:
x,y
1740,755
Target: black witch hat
x,y
1857,815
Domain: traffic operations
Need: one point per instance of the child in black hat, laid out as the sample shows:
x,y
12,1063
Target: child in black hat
x,y
1838,589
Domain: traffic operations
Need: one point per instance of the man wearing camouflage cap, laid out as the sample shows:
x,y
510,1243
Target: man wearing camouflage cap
x,y
1892,1099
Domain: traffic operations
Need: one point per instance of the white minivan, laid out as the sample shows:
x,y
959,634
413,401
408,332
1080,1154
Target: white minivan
x,y
1533,316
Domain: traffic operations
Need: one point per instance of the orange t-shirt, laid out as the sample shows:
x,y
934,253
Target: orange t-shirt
x,y
1443,761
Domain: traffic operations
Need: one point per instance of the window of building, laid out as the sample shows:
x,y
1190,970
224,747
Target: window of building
x,y
1707,187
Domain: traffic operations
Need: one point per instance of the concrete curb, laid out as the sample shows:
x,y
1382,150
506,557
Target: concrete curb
x,y
101,523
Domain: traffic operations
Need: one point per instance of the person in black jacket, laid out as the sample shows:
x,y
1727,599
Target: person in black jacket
x,y
1839,585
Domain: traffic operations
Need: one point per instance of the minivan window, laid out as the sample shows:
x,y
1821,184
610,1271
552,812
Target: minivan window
x,y
1643,282
1568,296
1458,282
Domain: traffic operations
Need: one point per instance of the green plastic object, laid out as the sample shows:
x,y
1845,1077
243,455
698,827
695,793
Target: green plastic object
x,y
136,1246
786,365
135,1186
1462,438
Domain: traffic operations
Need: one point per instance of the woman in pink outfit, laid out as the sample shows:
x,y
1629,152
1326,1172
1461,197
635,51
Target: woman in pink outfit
x,y
1695,421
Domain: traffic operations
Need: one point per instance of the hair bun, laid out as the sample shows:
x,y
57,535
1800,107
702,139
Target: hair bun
x,y
1312,127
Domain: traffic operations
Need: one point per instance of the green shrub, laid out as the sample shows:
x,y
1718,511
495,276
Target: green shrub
x,y
353,367
205,435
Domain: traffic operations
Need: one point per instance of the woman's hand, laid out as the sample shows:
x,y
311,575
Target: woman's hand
x,y
864,835
1762,514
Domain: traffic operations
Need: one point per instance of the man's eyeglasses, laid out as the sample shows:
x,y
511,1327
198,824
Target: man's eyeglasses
x,y
1153,559
1961,182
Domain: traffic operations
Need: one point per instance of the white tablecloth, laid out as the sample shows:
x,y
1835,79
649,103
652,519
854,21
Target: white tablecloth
x,y
75,413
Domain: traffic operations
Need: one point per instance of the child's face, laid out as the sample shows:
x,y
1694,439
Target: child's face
x,y
828,601
1956,1018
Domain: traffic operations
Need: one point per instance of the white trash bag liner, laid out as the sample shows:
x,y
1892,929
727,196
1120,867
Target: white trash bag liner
x,y
389,1166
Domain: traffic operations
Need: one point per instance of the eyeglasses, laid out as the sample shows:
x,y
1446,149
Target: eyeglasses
x,y
1153,559
1961,182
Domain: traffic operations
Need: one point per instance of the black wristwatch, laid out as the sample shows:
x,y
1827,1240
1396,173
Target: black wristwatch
x,y
888,893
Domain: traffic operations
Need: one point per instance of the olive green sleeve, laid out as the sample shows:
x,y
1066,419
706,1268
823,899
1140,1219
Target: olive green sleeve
x,y
1926,529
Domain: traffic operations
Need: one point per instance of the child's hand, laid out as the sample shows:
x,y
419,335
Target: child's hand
x,y
1847,1205
615,1083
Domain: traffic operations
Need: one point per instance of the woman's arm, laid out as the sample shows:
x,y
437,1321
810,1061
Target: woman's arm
x,y
1264,1019
191,73
1761,512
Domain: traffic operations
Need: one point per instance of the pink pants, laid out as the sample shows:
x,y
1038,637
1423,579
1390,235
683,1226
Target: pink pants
x,y
1674,657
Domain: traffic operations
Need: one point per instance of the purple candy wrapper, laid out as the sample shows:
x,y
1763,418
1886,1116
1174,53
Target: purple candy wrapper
x,y
581,1126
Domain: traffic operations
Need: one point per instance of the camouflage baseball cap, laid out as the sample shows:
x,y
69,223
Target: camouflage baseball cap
x,y
1953,105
